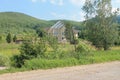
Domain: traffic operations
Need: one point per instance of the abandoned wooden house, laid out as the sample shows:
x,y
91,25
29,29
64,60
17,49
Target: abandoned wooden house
x,y
58,30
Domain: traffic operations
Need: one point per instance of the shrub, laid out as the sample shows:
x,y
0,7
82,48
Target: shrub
x,y
75,41
29,50
17,60
53,42
82,50
4,61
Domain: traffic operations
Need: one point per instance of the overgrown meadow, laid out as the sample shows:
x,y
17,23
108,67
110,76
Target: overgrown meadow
x,y
98,39
64,57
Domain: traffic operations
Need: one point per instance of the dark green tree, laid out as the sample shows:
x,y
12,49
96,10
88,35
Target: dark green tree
x,y
69,34
40,32
9,38
118,39
14,38
0,37
99,23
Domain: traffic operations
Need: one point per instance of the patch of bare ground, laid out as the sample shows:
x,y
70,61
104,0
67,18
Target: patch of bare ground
x,y
1,68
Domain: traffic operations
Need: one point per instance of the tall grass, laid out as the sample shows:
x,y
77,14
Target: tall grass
x,y
97,57
9,49
62,58
45,64
104,56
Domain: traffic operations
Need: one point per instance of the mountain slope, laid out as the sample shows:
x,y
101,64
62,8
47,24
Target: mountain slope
x,y
19,23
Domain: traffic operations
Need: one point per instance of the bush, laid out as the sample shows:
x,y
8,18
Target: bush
x,y
4,61
75,41
28,50
82,50
18,60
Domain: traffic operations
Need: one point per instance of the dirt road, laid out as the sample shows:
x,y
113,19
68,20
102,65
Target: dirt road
x,y
103,71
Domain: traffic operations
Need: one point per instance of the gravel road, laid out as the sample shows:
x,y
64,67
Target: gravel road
x,y
102,71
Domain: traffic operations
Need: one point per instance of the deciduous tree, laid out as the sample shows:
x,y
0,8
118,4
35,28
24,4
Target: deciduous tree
x,y
99,23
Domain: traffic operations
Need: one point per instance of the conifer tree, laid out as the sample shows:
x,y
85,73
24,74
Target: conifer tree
x,y
9,38
14,38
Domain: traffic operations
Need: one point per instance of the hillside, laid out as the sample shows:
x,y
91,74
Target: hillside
x,y
19,23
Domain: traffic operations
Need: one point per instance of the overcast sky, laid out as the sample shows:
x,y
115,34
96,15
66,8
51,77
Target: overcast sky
x,y
49,9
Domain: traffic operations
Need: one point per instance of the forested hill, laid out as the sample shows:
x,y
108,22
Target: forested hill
x,y
19,23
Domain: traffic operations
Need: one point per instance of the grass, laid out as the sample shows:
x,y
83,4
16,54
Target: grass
x,y
13,70
47,64
9,49
115,48
96,57
104,56
6,52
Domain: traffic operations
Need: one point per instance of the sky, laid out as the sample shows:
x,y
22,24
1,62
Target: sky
x,y
49,9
